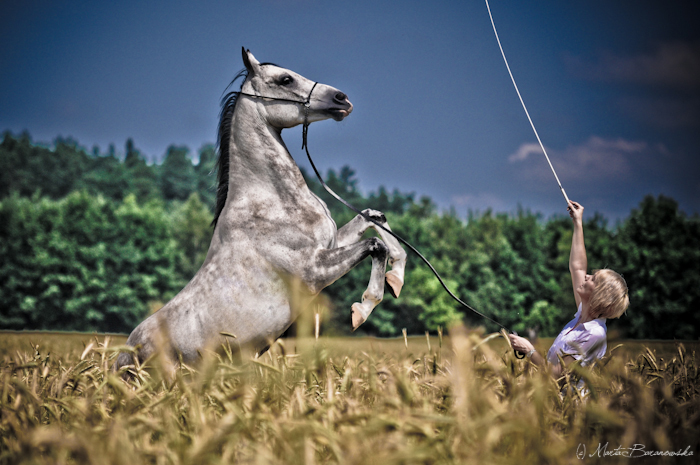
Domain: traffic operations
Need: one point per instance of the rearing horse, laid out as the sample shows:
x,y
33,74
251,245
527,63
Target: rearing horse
x,y
275,245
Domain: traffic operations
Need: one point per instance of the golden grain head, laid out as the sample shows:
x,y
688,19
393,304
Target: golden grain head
x,y
461,400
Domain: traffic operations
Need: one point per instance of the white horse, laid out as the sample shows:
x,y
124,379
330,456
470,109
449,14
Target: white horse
x,y
275,245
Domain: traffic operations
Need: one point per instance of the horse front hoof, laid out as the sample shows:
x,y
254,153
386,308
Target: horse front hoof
x,y
357,318
395,282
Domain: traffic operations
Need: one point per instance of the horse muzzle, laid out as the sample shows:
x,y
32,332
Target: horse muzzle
x,y
339,114
343,108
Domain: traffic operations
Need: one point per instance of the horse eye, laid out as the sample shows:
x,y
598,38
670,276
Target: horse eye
x,y
286,80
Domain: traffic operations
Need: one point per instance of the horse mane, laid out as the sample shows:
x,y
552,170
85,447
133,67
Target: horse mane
x,y
228,105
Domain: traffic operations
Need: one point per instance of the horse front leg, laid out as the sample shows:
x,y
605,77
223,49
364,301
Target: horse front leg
x,y
352,232
331,264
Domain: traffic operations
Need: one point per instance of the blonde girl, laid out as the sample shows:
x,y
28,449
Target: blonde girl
x,y
599,296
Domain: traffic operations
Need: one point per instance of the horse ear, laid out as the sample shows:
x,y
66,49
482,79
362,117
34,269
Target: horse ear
x,y
251,64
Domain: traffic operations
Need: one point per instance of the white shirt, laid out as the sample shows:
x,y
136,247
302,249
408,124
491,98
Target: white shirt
x,y
587,342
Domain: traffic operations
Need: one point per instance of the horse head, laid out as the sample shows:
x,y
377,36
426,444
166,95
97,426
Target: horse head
x,y
287,99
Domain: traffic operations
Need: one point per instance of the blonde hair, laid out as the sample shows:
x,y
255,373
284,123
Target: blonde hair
x,y
610,298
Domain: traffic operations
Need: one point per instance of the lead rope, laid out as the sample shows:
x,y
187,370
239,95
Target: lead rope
x,y
305,146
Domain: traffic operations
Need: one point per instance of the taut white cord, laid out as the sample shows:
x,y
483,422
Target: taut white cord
x,y
523,103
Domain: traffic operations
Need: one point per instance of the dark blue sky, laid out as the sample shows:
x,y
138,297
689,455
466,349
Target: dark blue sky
x,y
613,89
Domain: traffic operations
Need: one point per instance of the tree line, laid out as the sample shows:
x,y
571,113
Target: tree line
x,y
96,241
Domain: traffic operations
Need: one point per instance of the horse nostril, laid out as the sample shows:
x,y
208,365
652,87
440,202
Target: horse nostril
x,y
340,97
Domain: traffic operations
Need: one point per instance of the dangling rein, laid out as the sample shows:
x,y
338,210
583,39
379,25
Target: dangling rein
x,y
305,146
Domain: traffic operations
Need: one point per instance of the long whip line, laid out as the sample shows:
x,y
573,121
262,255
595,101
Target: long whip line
x,y
523,103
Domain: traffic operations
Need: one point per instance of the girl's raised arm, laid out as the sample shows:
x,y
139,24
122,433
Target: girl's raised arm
x,y
578,262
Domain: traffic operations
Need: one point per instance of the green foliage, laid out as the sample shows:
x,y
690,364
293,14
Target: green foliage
x,y
26,168
206,175
192,232
107,176
542,317
143,179
659,255
82,262
177,175
396,202
70,259
427,299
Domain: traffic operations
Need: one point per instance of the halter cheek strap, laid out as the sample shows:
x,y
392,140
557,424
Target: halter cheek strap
x,y
307,106
306,103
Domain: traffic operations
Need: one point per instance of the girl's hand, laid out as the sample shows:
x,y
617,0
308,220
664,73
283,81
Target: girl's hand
x,y
575,210
520,344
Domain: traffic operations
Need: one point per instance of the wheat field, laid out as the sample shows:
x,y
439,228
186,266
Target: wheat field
x,y
460,399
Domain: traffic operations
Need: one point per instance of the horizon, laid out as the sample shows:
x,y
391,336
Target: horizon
x,y
610,223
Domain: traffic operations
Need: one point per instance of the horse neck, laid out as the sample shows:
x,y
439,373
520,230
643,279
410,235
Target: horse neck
x,y
259,157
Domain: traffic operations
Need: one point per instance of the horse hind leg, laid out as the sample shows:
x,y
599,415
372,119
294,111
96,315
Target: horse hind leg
x,y
375,289
355,228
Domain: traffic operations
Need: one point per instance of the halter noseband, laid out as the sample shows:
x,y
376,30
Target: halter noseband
x,y
306,103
